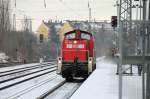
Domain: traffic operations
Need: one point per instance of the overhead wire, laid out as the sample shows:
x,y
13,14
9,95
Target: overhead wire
x,y
72,10
63,3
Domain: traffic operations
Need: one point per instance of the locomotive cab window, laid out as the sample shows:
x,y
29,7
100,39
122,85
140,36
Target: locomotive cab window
x,y
85,36
70,36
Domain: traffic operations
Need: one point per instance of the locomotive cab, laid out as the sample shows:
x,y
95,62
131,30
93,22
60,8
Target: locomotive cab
x,y
77,58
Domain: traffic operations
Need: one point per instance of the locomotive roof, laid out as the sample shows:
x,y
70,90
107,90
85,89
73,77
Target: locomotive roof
x,y
78,30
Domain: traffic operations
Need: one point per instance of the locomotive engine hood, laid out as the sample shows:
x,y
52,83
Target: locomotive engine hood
x,y
76,45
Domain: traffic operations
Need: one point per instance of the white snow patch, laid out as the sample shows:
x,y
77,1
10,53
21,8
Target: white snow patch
x,y
3,58
33,88
103,84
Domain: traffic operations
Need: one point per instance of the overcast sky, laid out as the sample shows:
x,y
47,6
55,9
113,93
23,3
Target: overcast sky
x,y
63,9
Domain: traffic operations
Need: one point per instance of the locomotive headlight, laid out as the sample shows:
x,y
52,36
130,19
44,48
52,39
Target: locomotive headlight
x,y
90,62
75,42
59,61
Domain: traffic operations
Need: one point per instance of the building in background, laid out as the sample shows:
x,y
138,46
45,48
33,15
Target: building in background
x,y
66,27
46,29
42,32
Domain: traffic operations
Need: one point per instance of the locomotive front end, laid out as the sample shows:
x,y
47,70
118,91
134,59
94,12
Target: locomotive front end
x,y
76,58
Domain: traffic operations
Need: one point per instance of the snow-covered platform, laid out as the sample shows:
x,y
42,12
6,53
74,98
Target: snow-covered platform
x,y
103,84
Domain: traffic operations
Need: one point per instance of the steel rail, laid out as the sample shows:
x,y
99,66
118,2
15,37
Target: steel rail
x,y
9,79
10,85
23,68
33,67
51,90
24,91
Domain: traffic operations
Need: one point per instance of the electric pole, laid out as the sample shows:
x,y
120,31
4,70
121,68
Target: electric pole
x,y
44,3
30,28
148,51
14,22
124,26
15,3
89,16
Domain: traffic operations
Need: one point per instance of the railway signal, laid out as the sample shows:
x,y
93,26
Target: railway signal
x,y
114,21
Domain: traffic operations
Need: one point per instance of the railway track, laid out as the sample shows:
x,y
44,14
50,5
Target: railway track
x,y
56,87
25,68
28,89
26,74
11,64
43,77
39,86
31,72
63,90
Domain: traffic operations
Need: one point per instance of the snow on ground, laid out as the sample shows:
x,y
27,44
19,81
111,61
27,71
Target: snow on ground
x,y
22,73
20,66
103,84
64,91
17,67
36,92
3,58
22,78
33,88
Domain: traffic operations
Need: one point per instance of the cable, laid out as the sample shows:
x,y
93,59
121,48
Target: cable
x,y
72,10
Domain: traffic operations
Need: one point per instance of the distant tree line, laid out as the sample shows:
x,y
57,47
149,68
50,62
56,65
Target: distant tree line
x,y
18,45
4,19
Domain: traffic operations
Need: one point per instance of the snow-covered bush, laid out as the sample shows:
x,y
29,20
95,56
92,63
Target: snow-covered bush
x,y
3,58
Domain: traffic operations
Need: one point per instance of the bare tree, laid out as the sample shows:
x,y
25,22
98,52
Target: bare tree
x,y
4,19
26,24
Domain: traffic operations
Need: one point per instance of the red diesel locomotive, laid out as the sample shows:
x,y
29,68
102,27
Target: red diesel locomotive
x,y
77,55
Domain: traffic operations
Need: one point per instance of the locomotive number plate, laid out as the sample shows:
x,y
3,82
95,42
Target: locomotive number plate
x,y
75,46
